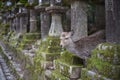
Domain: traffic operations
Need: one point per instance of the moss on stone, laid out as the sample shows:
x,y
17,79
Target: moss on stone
x,y
90,75
71,71
70,58
32,36
105,60
107,53
58,76
104,68
50,56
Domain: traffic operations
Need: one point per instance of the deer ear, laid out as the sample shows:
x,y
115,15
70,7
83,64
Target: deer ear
x,y
70,34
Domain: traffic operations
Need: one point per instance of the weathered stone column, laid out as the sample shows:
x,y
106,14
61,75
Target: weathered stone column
x,y
44,18
78,19
56,23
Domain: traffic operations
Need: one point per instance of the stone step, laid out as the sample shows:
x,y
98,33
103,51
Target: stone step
x,y
46,64
70,58
32,36
27,41
2,76
56,75
71,71
10,65
50,56
104,68
90,75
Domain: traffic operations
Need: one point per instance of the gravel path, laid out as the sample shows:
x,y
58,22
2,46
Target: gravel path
x,y
2,76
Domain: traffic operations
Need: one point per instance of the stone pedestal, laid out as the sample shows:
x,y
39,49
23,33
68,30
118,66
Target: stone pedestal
x,y
79,19
56,25
33,21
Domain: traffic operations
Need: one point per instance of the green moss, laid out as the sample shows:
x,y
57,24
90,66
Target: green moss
x,y
50,45
70,58
31,5
32,36
105,60
103,68
49,56
4,28
107,52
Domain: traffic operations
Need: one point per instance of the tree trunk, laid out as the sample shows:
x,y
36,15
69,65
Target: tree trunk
x,y
79,19
113,21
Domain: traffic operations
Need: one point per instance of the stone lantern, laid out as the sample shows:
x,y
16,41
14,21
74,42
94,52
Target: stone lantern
x,y
44,18
56,24
21,17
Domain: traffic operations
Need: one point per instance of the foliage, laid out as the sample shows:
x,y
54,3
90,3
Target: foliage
x,y
105,59
23,1
4,28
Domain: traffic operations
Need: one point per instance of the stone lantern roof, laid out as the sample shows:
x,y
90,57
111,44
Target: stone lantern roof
x,y
56,9
40,8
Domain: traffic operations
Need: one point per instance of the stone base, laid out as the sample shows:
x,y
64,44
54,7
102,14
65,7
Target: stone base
x,y
71,71
58,76
46,64
50,56
70,58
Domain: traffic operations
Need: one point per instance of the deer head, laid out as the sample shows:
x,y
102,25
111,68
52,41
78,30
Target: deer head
x,y
65,39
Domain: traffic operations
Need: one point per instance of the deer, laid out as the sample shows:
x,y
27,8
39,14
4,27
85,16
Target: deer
x,y
82,47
